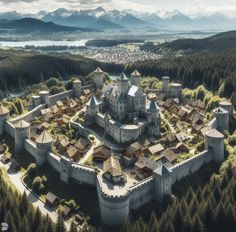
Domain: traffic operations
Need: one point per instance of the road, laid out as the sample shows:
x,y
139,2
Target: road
x,y
16,178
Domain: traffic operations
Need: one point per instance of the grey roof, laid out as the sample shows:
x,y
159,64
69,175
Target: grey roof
x,y
153,106
123,77
44,138
162,170
92,101
136,73
166,78
122,98
214,133
133,90
98,70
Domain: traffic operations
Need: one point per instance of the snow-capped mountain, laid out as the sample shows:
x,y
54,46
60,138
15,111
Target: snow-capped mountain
x,y
99,18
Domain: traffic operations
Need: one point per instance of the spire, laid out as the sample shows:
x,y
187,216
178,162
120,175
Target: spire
x,y
123,77
153,106
92,101
98,70
135,73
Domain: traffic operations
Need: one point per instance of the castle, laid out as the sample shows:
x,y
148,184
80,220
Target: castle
x,y
124,112
117,202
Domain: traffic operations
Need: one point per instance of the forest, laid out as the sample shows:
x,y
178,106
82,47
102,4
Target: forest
x,y
215,70
111,43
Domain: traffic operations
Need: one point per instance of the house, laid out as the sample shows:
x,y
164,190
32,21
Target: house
x,y
55,110
101,153
48,117
181,148
112,170
72,153
145,167
64,120
66,211
42,127
169,156
174,109
83,145
59,104
183,113
133,150
182,136
52,200
80,218
45,111
86,92
173,119
62,145
170,138
154,150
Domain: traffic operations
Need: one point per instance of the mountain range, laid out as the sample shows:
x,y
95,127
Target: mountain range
x,y
101,19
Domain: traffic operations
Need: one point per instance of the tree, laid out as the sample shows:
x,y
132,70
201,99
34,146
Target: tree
x,y
60,225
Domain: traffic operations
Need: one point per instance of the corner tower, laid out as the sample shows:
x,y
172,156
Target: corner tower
x,y
4,115
154,119
98,78
136,78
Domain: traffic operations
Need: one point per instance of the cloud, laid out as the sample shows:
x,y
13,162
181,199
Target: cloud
x,y
201,8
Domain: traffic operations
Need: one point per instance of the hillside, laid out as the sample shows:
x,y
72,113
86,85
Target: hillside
x,y
226,40
27,25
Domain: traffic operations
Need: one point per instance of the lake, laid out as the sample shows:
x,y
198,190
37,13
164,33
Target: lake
x,y
43,43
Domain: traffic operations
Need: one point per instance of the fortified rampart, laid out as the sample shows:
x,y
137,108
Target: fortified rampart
x,y
114,206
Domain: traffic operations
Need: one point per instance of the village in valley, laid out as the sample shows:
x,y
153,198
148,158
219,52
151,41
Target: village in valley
x,y
127,140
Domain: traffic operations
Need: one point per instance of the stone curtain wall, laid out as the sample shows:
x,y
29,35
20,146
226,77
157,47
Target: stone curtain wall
x,y
59,97
28,117
10,129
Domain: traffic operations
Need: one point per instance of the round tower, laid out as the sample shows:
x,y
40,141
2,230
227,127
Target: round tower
x,y
122,84
4,115
163,182
22,132
228,106
44,97
77,84
43,147
176,90
114,207
36,100
154,119
98,78
136,78
222,118
214,142
165,82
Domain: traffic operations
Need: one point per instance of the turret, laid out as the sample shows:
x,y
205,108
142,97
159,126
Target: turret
x,y
66,166
222,119
98,78
214,142
163,182
43,147
154,119
22,132
228,106
77,84
135,78
4,115
176,90
122,84
36,100
92,107
44,97
165,82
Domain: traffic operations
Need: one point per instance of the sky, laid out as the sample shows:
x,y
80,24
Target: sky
x,y
189,7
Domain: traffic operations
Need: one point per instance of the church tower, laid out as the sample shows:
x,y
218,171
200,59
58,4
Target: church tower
x,y
122,84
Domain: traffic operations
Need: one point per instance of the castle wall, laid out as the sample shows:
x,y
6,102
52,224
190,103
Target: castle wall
x,y
60,96
54,161
31,148
10,129
28,117
141,193
84,174
84,132
190,166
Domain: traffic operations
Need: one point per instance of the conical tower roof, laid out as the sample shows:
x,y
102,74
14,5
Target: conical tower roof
x,y
22,124
44,138
123,77
3,110
98,70
153,106
136,73
92,101
162,170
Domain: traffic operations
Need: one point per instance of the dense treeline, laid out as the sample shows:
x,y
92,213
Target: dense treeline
x,y
110,42
19,68
215,70
208,209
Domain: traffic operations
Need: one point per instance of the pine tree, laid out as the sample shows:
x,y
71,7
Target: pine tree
x,y
60,225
